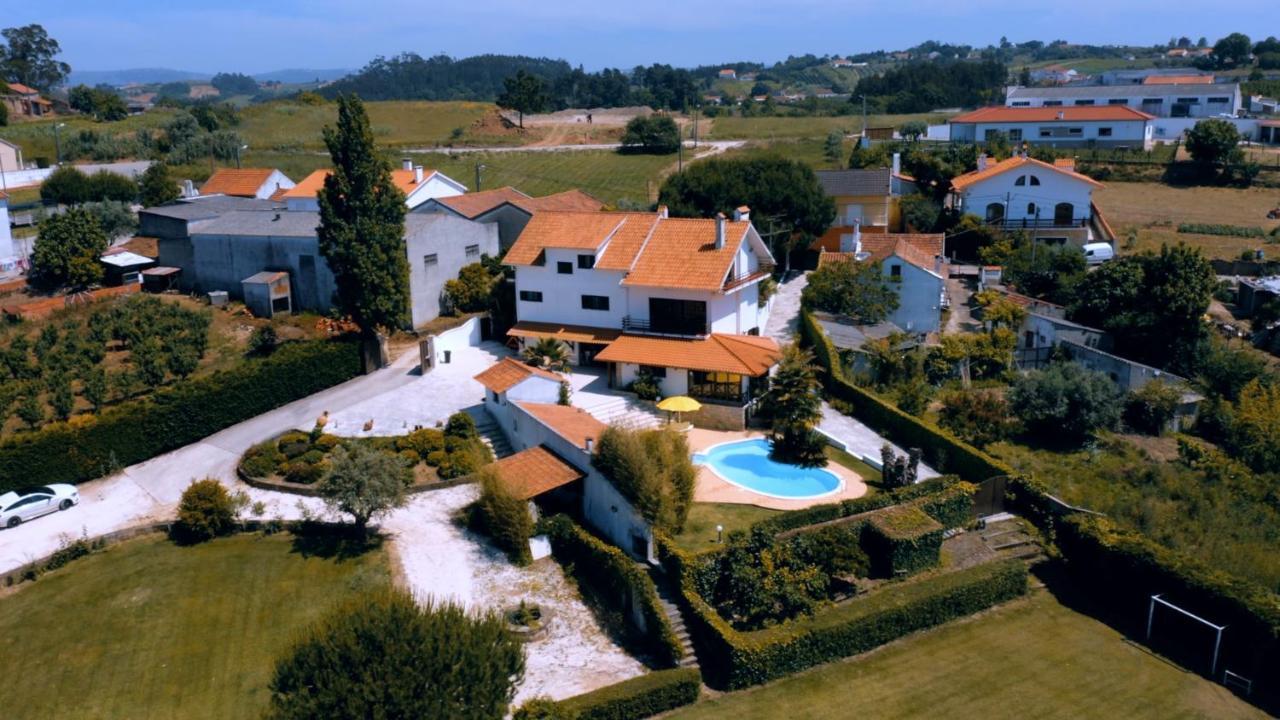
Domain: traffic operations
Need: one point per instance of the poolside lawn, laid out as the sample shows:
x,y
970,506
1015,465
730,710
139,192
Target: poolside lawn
x,y
1030,658
148,629
700,528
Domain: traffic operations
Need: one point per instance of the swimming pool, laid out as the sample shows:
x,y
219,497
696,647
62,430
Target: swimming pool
x,y
746,463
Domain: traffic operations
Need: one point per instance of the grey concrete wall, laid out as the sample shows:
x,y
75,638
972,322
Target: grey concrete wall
x,y
220,262
446,237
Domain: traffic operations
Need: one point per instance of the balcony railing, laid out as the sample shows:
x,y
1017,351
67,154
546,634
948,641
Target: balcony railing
x,y
1032,223
738,280
667,328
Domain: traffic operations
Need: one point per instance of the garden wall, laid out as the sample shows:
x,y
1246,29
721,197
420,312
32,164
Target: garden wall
x,y
941,449
88,447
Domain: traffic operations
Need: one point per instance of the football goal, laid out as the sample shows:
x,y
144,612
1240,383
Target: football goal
x,y
1181,618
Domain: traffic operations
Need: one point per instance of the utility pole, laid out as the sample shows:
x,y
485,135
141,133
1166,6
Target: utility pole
x,y
479,169
695,127
680,156
864,121
57,144
238,149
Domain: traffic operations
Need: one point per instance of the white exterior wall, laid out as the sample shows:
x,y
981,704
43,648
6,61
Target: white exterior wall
x,y
436,186
1135,133
1054,188
919,297
275,181
562,294
6,234
675,383
1171,129
1027,97
534,389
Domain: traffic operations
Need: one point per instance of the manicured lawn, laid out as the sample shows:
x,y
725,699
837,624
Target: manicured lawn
x,y
770,128
868,473
700,529
1031,658
148,629
1154,210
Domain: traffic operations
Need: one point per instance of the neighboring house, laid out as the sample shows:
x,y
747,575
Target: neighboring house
x,y
1155,97
509,208
1264,105
1253,293
121,267
23,101
1269,132
851,338
10,156
1138,77
418,184
217,246
841,62
1052,201
727,74
913,264
1054,75
260,183
678,297
868,199
1104,126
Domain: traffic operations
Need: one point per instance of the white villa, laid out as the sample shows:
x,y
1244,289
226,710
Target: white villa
x,y
912,264
1104,126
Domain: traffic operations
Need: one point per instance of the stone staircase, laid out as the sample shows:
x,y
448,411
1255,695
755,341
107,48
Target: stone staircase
x,y
666,598
1008,538
625,412
492,435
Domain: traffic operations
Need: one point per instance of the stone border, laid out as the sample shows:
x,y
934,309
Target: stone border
x,y
288,488
13,578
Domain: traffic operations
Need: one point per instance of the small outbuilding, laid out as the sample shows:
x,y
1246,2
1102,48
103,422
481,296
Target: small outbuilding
x,y
121,267
266,294
160,279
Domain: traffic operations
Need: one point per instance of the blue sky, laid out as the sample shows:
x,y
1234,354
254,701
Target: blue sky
x,y
262,35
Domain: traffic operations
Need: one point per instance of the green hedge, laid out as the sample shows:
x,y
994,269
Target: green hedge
x,y
951,507
940,448
1220,229
902,540
732,659
131,432
610,573
641,697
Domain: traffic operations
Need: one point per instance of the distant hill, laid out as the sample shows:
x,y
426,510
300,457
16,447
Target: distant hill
x,y
301,75
147,76
143,76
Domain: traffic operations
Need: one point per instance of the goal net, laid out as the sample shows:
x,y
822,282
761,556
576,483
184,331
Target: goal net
x,y
1191,639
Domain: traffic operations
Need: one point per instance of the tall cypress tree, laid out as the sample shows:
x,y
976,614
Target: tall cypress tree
x,y
362,229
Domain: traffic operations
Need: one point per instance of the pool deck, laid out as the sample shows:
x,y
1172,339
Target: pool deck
x,y
711,488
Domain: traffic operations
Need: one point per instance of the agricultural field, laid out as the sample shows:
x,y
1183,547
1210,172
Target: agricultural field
x,y
1153,211
786,128
37,140
1032,653
150,629
289,126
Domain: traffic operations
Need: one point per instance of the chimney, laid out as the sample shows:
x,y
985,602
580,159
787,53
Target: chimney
x,y
1061,115
897,164
982,162
406,163
852,243
937,264
188,189
719,230
742,214
663,211
417,175
590,444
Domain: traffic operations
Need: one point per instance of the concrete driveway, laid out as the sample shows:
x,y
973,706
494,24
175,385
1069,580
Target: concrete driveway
x,y
784,316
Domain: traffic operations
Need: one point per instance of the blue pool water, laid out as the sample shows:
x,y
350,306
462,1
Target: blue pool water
x,y
746,463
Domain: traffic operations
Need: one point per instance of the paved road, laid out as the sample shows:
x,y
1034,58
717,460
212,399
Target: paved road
x,y
717,146
784,316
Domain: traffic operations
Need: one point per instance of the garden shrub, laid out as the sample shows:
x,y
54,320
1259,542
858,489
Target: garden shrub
x,y
902,540
303,473
424,442
262,460
504,517
326,443
1150,408
206,511
653,469
134,431
760,582
640,697
1221,229
410,457
311,457
610,574
461,425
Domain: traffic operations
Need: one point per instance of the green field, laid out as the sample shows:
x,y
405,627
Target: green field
x,y
37,141
1031,658
786,128
284,126
148,629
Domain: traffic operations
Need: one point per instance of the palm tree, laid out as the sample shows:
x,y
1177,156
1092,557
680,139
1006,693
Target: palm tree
x,y
547,353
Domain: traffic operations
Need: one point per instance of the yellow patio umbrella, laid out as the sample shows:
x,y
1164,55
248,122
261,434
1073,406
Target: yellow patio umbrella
x,y
680,404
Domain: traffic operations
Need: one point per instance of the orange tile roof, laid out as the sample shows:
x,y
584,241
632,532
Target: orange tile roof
x,y
532,472
567,201
1178,80
681,253
571,423
236,182
469,205
21,89
1074,113
308,187
627,243
739,354
1067,163
961,182
918,249
406,179
509,372
563,230
565,333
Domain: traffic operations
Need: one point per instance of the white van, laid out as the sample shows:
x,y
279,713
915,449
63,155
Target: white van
x,y
1098,253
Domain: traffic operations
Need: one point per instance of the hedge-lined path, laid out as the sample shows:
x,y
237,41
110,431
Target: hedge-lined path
x,y
784,316
149,491
860,440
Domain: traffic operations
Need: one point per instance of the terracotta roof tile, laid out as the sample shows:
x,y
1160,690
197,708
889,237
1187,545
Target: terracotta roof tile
x,y
917,249
681,253
236,182
628,242
532,472
307,187
21,89
509,372
470,205
571,423
566,333
406,180
567,201
961,182
563,230
1178,80
1073,113
739,354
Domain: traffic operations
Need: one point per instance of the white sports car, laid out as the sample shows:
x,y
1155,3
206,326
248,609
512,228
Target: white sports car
x,y
24,504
